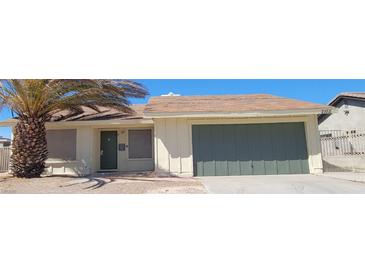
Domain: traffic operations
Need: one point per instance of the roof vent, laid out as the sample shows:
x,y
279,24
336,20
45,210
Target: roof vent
x,y
170,94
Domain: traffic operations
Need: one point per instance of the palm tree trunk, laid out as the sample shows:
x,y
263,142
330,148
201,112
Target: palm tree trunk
x,y
29,148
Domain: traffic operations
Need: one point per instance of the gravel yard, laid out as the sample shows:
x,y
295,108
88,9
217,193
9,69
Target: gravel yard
x,y
112,183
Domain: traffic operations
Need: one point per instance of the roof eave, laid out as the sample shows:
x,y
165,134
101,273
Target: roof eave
x,y
263,113
12,122
339,97
8,123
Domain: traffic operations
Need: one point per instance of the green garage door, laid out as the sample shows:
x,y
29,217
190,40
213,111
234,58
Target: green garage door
x,y
250,149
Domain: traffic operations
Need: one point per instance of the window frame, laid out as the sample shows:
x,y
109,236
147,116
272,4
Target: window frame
x,y
58,159
152,145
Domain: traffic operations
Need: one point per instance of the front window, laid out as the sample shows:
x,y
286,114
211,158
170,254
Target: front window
x,y
140,144
61,144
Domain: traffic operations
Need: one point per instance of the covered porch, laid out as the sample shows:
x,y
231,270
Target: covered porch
x,y
83,148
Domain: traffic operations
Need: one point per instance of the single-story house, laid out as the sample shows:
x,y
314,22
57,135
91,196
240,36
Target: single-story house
x,y
350,114
190,136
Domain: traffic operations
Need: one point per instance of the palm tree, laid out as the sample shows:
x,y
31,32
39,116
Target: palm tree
x,y
34,102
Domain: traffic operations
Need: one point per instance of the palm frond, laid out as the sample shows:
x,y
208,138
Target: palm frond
x,y
42,97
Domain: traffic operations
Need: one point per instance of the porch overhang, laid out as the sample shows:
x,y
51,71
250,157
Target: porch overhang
x,y
94,123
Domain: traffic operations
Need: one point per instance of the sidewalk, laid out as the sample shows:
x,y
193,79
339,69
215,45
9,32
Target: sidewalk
x,y
350,176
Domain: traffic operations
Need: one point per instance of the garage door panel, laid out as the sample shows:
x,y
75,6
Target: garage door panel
x,y
285,147
297,139
255,141
295,167
251,149
269,160
305,166
302,145
293,151
290,149
208,164
219,150
280,148
233,164
243,150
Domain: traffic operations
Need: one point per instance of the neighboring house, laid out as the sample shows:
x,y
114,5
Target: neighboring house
x,y
350,115
190,136
343,133
4,142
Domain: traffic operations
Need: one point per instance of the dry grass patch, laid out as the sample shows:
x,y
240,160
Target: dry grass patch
x,y
111,183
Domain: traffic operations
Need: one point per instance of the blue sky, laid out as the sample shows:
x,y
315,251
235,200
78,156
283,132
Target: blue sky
x,y
319,91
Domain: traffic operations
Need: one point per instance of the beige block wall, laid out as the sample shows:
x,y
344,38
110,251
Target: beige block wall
x,y
173,141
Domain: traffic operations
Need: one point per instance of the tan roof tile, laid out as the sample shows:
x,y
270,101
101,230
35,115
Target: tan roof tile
x,y
104,114
225,104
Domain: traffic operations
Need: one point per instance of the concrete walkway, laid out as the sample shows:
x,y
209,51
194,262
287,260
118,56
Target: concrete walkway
x,y
284,184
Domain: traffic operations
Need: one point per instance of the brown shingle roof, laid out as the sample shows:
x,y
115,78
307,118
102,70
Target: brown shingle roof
x,y
225,104
104,114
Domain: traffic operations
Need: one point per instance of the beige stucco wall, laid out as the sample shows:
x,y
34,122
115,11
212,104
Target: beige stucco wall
x,y
124,163
354,163
88,150
83,165
173,149
173,141
349,116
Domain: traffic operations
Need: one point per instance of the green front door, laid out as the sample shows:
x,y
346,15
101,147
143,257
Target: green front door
x,y
108,150
250,149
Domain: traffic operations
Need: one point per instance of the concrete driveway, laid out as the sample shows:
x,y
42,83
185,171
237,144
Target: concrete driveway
x,y
285,184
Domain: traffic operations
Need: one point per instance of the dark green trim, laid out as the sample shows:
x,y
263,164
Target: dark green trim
x,y
109,146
